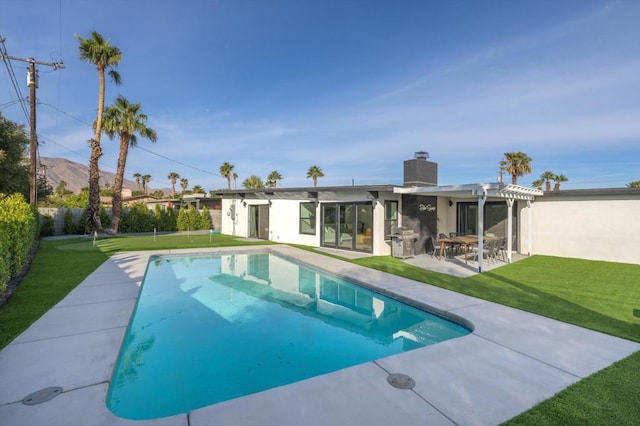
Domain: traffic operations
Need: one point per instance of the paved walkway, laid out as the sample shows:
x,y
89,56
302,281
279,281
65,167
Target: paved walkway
x,y
511,361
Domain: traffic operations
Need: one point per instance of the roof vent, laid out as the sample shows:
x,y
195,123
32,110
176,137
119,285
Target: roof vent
x,y
421,155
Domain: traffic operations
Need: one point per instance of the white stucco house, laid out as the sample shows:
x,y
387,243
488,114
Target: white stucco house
x,y
598,224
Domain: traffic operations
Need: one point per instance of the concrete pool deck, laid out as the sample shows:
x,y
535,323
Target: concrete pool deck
x,y
512,361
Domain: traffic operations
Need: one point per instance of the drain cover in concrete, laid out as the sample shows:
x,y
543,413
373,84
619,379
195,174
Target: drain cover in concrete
x,y
401,381
42,395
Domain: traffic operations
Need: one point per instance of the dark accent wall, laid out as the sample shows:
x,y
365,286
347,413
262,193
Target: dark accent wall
x,y
420,172
420,213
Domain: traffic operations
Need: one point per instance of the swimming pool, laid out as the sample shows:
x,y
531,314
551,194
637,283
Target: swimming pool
x,y
209,328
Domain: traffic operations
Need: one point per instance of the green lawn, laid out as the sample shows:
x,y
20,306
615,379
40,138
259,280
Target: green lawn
x,y
598,295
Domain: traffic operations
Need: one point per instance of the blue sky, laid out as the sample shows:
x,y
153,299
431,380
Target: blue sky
x,y
354,87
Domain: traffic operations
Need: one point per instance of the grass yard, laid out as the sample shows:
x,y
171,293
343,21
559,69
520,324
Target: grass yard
x,y
601,296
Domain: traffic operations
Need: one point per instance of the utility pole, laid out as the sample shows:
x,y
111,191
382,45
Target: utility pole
x,y
32,82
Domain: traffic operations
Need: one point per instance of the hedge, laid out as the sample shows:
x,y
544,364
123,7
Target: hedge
x,y
18,232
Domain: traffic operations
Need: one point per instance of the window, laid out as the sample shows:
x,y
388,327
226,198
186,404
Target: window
x,y
308,218
390,217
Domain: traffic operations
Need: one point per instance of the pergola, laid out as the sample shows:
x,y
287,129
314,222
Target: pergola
x,y
483,191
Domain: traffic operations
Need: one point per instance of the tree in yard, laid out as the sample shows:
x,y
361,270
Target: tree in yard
x,y
138,178
558,179
145,181
273,178
314,173
517,164
197,189
14,171
253,182
547,177
173,178
124,119
184,184
226,171
61,189
98,51
634,184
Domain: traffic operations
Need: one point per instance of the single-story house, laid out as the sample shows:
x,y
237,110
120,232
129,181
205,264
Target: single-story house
x,y
370,218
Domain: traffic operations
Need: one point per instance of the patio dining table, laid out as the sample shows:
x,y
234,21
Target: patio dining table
x,y
463,240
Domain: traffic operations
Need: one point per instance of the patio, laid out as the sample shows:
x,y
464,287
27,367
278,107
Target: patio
x,y
455,266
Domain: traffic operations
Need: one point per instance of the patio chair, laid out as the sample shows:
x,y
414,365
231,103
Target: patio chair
x,y
456,248
501,248
435,246
488,251
448,247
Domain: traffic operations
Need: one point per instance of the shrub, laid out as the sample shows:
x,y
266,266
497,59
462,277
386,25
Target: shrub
x,y
188,219
205,219
165,219
105,219
46,226
68,223
18,231
138,218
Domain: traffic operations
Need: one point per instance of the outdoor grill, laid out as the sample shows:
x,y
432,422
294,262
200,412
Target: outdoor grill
x,y
402,243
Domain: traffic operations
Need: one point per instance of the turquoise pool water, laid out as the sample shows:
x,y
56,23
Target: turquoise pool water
x,y
211,328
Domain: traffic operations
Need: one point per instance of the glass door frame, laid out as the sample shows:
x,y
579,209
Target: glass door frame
x,y
345,227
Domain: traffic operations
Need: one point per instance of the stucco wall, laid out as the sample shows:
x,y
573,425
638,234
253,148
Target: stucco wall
x,y
284,219
596,228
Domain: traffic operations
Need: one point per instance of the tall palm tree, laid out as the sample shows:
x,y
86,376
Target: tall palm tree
x,y
538,183
145,180
98,51
184,184
173,177
137,177
517,164
253,182
124,119
234,175
314,173
558,180
273,178
547,177
226,171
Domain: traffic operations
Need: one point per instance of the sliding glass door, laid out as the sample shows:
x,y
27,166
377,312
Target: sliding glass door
x,y
495,218
348,226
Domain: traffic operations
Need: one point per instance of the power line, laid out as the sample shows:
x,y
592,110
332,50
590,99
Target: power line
x,y
138,146
12,77
32,82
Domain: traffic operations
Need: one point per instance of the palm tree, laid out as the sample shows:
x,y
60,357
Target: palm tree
x,y
184,184
559,179
98,51
253,182
226,170
634,184
273,178
124,119
517,164
547,177
173,177
314,173
234,175
197,189
138,176
145,180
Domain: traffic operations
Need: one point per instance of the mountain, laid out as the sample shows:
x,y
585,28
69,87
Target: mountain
x,y
76,175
